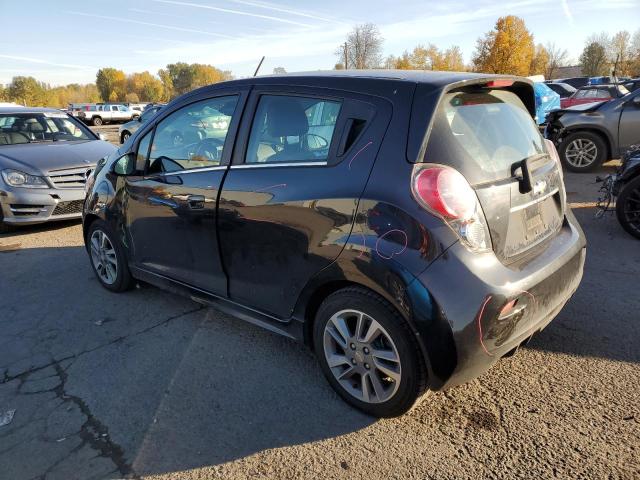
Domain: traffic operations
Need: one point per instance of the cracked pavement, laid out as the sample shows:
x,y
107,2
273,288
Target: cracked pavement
x,y
151,385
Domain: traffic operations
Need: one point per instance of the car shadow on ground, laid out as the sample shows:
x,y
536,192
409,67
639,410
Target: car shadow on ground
x,y
175,386
22,230
171,385
601,318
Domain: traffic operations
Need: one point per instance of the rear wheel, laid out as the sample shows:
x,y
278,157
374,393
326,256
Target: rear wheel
x,y
628,207
582,151
368,353
108,258
97,121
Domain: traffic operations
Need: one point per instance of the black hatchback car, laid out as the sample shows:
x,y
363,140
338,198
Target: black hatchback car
x,y
411,227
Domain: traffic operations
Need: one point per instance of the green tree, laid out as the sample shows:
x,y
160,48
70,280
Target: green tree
x,y
507,49
27,91
167,84
112,84
594,60
147,87
184,77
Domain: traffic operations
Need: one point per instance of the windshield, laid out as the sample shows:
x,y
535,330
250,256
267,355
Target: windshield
x,y
482,133
16,128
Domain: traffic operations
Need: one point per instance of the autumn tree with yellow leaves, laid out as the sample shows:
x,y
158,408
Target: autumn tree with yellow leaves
x,y
507,49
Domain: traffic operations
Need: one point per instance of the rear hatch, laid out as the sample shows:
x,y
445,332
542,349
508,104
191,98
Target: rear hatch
x,y
489,136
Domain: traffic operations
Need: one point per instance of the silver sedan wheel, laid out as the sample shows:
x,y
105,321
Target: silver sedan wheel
x,y
581,152
104,258
362,356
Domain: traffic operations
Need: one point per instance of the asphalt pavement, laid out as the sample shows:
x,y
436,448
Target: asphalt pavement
x,y
147,384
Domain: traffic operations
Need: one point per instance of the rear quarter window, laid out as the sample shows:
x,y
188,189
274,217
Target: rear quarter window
x,y
482,133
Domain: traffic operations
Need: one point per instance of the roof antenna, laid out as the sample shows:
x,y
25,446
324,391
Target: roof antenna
x,y
259,65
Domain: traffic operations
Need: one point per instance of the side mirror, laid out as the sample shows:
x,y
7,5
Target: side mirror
x,y
124,166
102,137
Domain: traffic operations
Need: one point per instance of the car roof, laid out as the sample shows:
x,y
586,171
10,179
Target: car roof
x,y
433,78
600,85
19,109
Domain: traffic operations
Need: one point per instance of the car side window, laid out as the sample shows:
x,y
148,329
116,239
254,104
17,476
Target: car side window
x,y
292,129
193,136
603,93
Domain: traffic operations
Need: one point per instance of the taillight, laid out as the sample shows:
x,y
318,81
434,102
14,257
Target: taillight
x,y
445,192
553,153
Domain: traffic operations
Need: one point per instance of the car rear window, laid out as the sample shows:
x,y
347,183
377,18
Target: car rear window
x,y
482,133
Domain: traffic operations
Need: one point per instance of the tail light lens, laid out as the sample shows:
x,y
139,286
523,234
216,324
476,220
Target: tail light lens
x,y
446,193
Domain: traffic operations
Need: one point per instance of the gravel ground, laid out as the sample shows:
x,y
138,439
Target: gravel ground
x,y
150,385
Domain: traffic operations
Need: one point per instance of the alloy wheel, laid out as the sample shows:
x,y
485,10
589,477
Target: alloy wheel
x,y
104,258
581,152
362,356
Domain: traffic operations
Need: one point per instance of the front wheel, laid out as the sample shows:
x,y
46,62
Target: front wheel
x,y
368,353
108,258
124,137
628,207
582,151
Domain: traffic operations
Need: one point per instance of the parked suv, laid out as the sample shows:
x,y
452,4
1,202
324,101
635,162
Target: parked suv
x,y
587,135
99,114
411,227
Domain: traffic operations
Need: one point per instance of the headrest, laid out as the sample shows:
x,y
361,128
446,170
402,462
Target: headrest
x,y
286,118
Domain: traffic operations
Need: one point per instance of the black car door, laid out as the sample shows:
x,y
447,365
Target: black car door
x,y
171,208
288,201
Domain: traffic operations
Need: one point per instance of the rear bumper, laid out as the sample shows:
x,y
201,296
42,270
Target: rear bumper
x,y
23,206
471,291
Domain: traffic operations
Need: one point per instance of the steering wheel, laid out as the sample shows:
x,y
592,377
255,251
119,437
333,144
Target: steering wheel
x,y
209,149
322,142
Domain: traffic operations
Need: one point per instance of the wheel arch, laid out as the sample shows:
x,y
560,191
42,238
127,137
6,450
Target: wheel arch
x,y
408,296
602,133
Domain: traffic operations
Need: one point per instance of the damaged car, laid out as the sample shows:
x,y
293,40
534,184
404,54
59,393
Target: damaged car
x,y
588,135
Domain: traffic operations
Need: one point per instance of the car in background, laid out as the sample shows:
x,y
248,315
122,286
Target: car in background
x,y
45,159
575,82
633,84
412,228
107,113
587,135
594,93
129,128
546,101
563,89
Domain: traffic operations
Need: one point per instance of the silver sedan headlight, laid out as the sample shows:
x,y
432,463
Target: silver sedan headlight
x,y
16,178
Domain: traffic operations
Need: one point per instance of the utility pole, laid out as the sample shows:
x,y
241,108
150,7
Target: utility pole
x,y
346,65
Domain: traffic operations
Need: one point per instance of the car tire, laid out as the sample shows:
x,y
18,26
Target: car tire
x,y
392,357
96,121
5,227
125,136
107,258
629,198
582,151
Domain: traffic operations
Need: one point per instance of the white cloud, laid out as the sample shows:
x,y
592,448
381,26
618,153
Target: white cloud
x,y
158,25
567,12
234,12
46,62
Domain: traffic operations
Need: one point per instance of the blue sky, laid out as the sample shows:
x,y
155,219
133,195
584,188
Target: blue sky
x,y
66,41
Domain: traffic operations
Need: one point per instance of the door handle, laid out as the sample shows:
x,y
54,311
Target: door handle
x,y
195,202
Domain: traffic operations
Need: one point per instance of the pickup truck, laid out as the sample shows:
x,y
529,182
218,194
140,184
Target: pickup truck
x,y
107,113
